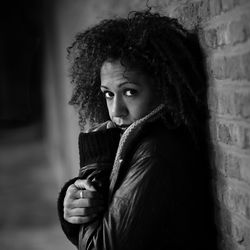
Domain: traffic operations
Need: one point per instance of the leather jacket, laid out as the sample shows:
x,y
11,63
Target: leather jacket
x,y
159,193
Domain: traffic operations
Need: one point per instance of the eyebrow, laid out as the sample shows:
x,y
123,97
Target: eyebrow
x,y
121,84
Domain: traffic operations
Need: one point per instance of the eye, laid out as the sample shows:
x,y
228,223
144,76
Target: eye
x,y
130,92
108,94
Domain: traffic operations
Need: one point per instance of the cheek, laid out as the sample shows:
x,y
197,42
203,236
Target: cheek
x,y
142,107
109,108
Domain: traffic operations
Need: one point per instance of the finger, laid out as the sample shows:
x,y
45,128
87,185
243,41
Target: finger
x,y
80,219
87,194
84,184
80,203
82,211
71,191
92,199
80,184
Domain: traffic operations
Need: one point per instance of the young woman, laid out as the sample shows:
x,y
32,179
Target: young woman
x,y
144,179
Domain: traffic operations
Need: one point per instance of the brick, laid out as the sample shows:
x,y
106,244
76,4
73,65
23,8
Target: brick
x,y
237,32
240,2
242,104
230,67
238,201
213,129
245,169
233,68
246,138
224,133
224,219
230,102
218,67
222,34
226,243
229,164
210,37
204,10
215,7
212,100
234,234
246,65
243,134
247,237
220,184
220,161
228,33
215,37
246,20
188,14
222,101
240,232
225,102
233,134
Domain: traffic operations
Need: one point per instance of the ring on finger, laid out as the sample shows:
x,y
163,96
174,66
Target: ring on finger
x,y
81,194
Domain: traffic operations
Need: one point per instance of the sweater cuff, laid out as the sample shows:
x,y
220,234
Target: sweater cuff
x,y
98,146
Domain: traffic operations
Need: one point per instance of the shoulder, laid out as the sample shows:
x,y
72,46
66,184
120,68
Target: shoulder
x,y
157,140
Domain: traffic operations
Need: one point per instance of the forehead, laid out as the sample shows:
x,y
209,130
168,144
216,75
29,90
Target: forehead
x,y
114,71
112,68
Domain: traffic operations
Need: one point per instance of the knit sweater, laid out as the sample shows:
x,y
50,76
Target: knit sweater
x,y
97,153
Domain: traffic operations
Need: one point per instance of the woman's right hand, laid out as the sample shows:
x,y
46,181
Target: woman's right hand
x,y
82,203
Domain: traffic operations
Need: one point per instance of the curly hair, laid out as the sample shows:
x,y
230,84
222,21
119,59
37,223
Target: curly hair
x,y
154,44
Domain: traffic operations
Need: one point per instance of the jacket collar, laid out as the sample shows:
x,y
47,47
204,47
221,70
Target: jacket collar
x,y
129,135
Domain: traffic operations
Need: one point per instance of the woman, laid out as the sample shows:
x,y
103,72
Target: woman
x,y
144,179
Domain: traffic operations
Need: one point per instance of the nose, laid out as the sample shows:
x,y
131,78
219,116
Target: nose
x,y
118,108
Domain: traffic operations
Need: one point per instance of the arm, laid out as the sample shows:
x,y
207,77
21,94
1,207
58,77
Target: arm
x,y
97,151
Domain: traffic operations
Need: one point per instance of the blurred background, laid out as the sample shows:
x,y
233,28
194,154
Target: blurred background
x,y
38,135
38,129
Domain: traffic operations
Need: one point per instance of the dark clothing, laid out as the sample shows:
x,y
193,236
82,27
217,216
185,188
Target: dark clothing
x,y
97,153
158,196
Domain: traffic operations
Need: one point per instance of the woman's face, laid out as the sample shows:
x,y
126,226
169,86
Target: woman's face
x,y
129,94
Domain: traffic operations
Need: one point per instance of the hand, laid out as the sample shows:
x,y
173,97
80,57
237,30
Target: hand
x,y
82,203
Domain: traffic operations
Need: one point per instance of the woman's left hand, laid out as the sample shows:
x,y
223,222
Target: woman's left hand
x,y
82,203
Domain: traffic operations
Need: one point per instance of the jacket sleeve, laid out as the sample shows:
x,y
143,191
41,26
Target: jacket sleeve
x,y
138,207
97,152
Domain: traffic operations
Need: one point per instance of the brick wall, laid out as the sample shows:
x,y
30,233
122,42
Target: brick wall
x,y
224,32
